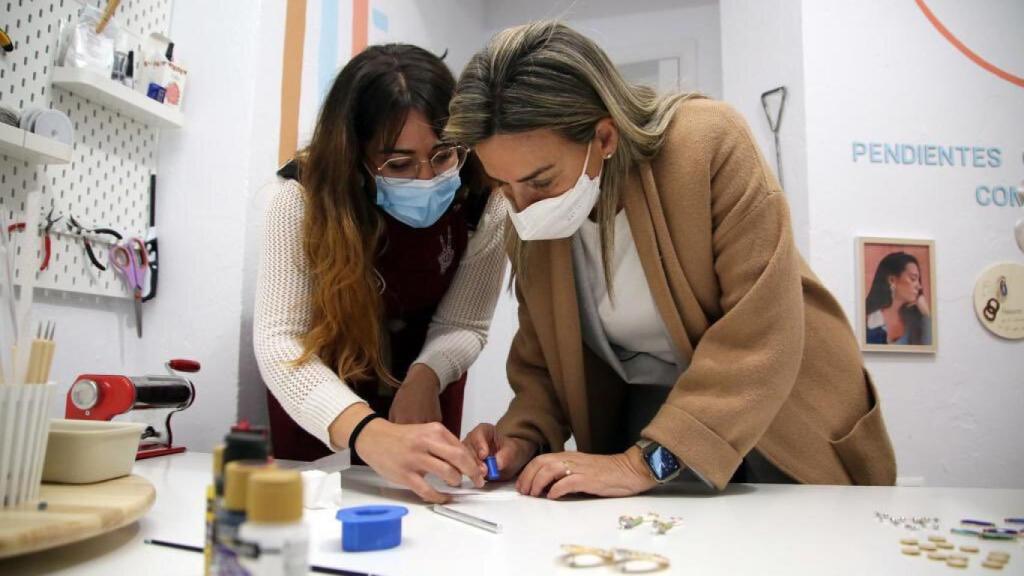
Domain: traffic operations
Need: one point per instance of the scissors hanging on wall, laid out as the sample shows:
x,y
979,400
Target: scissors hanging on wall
x,y
774,123
130,261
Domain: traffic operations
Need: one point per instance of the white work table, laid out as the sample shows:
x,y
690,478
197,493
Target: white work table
x,y
748,529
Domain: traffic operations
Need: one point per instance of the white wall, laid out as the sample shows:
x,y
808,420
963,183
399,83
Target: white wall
x,y
264,140
632,31
878,71
762,48
204,179
455,26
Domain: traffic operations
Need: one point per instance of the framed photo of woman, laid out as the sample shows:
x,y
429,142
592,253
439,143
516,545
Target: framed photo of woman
x,y
896,303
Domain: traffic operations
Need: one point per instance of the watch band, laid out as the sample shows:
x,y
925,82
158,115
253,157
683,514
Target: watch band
x,y
649,447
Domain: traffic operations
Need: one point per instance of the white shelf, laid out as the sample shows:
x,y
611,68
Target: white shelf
x,y
17,143
117,96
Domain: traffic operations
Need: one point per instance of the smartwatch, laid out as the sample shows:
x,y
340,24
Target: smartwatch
x,y
664,465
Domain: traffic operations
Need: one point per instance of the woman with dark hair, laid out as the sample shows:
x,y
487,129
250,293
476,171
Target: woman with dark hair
x,y
897,308
382,263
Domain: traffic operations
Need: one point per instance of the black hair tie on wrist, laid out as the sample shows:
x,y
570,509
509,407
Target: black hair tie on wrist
x,y
358,430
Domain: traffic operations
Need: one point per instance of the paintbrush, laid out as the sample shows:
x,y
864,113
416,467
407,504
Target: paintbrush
x,y
50,349
108,13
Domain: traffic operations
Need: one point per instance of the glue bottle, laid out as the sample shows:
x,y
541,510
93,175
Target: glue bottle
x,y
211,508
237,446
232,514
274,541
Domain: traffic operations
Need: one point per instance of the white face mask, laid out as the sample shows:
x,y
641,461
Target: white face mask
x,y
559,216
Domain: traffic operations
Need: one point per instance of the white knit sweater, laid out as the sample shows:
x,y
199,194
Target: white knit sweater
x,y
312,393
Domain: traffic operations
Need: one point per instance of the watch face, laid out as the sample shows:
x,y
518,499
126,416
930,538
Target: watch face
x,y
663,464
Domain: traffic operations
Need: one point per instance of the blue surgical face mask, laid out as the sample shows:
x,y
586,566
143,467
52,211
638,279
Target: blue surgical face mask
x,y
418,203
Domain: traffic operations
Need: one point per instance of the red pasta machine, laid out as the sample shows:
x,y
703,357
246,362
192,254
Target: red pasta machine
x,y
101,397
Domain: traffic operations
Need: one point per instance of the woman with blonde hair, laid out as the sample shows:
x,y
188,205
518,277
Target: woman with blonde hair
x,y
666,319
382,263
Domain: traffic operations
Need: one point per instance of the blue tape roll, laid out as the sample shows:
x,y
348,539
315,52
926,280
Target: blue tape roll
x,y
492,468
371,527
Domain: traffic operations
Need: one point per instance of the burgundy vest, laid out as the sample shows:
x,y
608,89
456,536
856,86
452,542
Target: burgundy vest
x,y
417,266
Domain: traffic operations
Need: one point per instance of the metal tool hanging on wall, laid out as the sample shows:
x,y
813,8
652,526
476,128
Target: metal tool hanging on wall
x,y
77,230
775,123
47,230
152,247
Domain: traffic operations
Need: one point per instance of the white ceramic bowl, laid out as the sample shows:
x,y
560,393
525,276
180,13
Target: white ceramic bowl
x,y
87,451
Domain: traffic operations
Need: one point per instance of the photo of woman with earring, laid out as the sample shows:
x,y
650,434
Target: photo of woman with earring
x,y
898,308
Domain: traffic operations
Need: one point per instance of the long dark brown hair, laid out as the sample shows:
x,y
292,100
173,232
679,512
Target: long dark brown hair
x,y
368,103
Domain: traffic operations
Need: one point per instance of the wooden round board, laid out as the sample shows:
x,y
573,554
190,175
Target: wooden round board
x,y
74,512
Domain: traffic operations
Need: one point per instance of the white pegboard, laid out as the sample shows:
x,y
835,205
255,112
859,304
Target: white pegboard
x,y
107,181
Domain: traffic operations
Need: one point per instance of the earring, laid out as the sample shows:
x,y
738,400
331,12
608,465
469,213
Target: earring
x,y
627,522
608,156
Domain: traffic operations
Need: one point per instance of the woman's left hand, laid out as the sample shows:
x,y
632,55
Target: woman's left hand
x,y
417,400
615,475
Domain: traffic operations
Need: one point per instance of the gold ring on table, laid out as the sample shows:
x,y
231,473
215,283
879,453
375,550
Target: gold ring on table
x,y
633,562
625,561
568,471
577,556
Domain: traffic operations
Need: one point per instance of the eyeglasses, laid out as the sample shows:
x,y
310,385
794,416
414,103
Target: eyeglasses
x,y
402,169
625,561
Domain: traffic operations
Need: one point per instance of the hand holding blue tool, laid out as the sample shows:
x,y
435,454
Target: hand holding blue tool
x,y
493,473
131,263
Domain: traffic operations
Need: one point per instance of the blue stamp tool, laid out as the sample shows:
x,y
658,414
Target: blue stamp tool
x,y
365,528
492,468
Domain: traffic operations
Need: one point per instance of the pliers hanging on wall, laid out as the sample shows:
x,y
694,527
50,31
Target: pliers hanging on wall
x,y
76,228
47,242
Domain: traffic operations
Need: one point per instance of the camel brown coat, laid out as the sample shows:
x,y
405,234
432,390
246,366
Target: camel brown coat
x,y
773,362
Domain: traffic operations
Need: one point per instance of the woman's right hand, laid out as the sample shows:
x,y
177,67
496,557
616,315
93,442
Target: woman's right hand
x,y
405,453
512,454
922,304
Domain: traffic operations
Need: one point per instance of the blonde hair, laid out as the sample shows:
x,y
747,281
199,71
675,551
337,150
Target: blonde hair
x,y
545,75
